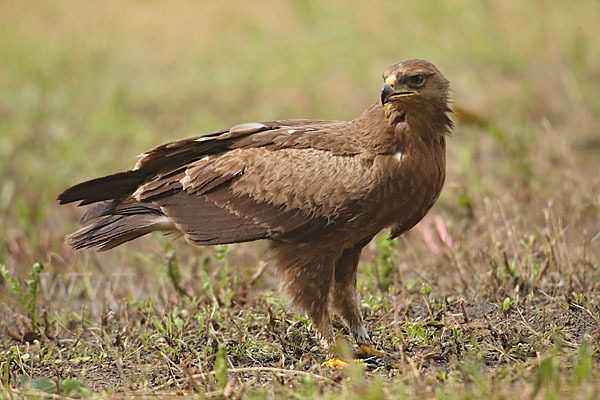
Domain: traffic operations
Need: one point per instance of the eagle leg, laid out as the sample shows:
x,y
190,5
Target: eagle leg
x,y
346,304
307,278
313,298
345,299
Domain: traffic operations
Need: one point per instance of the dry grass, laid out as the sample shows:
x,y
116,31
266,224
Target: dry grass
x,y
510,303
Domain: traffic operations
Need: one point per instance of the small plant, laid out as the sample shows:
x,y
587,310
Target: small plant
x,y
474,374
426,290
506,304
583,366
384,264
71,388
171,329
548,377
218,283
413,333
173,271
221,367
8,357
578,298
28,297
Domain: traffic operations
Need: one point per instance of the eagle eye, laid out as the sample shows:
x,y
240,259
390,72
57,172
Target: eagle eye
x,y
416,80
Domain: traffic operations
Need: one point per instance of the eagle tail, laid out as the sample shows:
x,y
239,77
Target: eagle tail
x,y
114,230
101,189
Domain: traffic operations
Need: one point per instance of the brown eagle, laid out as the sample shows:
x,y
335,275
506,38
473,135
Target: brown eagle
x,y
319,191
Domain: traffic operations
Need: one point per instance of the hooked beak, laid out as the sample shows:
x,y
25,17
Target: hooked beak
x,y
389,91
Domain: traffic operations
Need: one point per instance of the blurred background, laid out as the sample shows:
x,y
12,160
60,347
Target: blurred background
x,y
86,86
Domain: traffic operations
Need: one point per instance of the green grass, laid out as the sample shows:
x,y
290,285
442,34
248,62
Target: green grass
x,y
508,308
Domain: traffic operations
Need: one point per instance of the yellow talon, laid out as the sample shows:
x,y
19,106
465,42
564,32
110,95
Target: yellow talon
x,y
365,351
339,364
335,363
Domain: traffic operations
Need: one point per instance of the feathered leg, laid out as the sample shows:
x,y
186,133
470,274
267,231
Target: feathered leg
x,y
307,278
345,299
346,303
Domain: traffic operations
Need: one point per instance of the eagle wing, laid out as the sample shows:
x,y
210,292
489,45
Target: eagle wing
x,y
290,180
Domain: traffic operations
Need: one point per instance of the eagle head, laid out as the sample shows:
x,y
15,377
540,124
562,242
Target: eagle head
x,y
414,81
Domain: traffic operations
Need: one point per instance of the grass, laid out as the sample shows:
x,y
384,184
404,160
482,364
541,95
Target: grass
x,y
503,304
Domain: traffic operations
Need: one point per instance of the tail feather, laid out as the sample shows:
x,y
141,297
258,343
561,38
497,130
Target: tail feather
x,y
114,230
106,188
98,210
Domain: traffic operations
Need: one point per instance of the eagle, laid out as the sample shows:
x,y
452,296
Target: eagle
x,y
318,191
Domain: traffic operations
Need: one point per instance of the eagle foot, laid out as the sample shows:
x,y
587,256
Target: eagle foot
x,y
367,356
367,351
335,363
338,364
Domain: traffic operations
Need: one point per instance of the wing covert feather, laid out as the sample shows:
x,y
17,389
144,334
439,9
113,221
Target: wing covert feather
x,y
248,194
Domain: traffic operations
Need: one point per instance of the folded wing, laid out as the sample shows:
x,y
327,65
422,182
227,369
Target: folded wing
x,y
289,180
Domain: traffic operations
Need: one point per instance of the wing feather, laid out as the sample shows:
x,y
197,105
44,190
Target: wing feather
x,y
246,194
278,179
